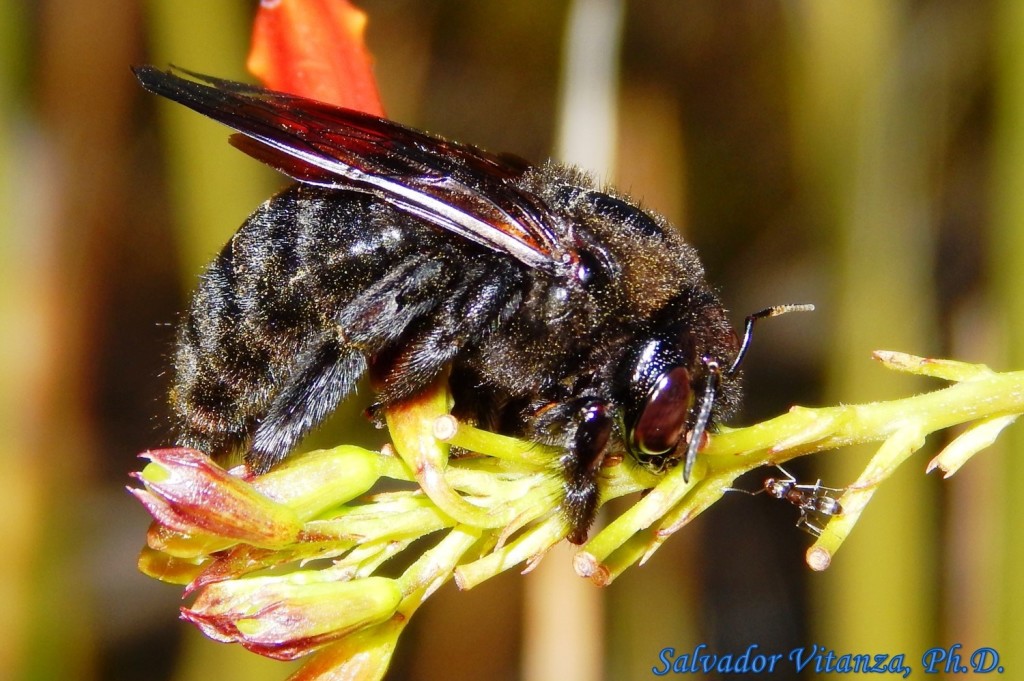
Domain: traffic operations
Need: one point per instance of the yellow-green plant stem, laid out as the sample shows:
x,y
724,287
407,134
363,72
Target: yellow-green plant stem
x,y
900,424
494,476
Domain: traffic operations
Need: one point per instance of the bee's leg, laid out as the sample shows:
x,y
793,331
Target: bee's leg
x,y
430,345
380,315
590,428
329,373
401,372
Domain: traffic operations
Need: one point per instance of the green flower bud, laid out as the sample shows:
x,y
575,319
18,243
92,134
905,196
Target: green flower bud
x,y
187,493
292,615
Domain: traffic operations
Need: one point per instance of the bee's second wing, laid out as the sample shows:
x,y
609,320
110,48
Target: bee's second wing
x,y
465,190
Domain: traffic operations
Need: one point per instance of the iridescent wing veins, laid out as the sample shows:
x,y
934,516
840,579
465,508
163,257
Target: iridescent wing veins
x,y
459,188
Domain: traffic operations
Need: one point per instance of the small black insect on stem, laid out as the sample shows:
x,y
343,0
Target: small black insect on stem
x,y
816,502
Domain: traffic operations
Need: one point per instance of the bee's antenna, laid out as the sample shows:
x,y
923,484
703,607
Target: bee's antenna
x,y
715,376
748,331
706,402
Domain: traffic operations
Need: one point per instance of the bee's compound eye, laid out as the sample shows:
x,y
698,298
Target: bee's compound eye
x,y
663,420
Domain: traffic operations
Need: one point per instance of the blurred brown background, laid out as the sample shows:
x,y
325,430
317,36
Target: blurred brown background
x,y
864,156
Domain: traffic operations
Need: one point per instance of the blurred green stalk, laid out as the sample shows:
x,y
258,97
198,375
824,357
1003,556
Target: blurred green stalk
x,y
17,523
212,189
1007,257
863,148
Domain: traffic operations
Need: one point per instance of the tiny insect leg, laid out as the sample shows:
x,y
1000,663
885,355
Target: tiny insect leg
x,y
805,524
329,373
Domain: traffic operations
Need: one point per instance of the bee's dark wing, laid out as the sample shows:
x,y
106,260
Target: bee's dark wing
x,y
460,188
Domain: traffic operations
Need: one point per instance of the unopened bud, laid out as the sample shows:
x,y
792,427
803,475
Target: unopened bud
x,y
188,493
289,616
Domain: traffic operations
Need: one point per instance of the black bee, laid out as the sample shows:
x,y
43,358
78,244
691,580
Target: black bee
x,y
566,314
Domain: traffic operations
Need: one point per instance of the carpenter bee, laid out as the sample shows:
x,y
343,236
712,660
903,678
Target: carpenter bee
x,y
564,313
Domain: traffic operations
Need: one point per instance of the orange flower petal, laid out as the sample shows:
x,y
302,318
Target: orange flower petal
x,y
314,48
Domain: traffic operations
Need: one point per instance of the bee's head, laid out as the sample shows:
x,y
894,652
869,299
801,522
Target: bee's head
x,y
673,391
